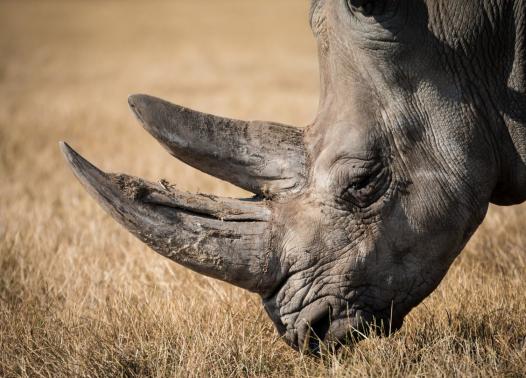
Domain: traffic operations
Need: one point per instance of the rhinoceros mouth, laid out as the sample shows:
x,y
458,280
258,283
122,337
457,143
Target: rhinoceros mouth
x,y
331,323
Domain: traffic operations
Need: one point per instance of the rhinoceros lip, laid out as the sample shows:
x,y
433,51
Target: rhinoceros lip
x,y
332,322
359,325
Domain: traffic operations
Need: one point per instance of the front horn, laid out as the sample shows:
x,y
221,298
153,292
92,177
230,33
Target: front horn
x,y
222,238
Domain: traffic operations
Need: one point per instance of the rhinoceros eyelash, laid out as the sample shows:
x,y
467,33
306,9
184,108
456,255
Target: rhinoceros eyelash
x,y
361,182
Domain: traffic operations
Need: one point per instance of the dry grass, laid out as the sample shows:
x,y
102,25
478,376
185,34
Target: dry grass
x,y
79,296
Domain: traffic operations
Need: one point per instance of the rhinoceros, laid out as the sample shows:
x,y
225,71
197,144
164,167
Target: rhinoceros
x,y
357,217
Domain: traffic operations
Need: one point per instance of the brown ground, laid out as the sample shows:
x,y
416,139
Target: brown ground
x,y
79,296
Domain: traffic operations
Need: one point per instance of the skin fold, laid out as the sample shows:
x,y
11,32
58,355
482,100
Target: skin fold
x,y
357,217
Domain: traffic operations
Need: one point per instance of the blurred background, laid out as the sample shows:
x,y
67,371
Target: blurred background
x,y
67,68
79,296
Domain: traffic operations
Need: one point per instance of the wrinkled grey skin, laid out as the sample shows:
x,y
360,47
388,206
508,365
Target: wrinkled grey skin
x,y
358,216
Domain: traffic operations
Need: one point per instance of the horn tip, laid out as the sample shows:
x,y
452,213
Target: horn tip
x,y
139,99
68,152
138,104
83,169
134,98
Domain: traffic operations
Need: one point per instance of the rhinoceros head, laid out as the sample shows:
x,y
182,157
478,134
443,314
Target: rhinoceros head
x,y
357,217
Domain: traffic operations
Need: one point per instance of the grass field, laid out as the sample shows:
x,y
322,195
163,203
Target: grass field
x,y
79,296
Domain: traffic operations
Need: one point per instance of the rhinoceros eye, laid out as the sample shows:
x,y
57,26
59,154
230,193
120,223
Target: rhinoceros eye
x,y
367,187
366,7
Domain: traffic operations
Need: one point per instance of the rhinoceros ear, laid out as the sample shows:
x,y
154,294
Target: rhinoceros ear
x,y
262,157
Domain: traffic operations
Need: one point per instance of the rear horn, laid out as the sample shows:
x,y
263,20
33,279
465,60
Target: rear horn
x,y
264,158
